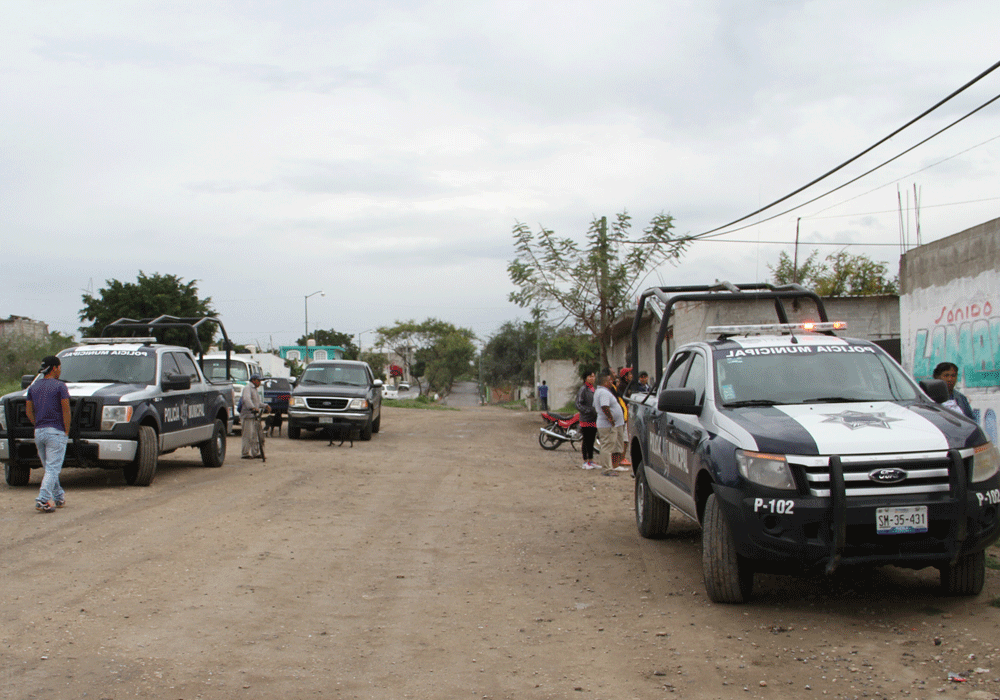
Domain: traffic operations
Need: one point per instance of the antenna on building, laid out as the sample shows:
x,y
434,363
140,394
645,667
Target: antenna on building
x,y
916,211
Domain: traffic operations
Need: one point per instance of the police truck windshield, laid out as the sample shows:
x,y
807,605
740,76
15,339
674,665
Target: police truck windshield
x,y
801,374
118,366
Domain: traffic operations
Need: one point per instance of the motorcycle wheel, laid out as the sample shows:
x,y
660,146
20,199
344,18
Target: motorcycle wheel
x,y
549,442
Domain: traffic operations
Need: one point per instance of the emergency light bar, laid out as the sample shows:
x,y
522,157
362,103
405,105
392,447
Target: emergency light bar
x,y
117,341
806,327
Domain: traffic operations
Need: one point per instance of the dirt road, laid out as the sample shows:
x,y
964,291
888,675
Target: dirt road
x,y
450,557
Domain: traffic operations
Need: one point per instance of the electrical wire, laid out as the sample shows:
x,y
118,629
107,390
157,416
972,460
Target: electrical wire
x,y
854,158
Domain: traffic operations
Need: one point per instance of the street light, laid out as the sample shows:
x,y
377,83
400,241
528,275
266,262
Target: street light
x,y
306,302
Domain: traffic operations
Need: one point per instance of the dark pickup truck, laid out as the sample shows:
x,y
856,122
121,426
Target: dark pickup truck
x,y
336,394
798,451
132,399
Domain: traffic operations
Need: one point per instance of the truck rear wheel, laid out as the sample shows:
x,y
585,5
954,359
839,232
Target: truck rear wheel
x,y
966,576
652,514
213,452
16,474
142,469
728,576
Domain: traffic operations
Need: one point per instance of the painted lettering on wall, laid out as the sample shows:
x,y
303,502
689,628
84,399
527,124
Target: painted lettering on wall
x,y
967,334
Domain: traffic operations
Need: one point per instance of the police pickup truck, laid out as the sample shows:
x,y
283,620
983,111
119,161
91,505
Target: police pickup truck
x,y
798,451
132,399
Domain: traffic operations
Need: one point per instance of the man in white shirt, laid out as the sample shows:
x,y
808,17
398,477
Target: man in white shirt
x,y
610,423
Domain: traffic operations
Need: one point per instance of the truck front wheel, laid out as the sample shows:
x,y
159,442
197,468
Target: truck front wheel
x,y
142,469
213,452
652,515
966,576
728,576
294,433
16,474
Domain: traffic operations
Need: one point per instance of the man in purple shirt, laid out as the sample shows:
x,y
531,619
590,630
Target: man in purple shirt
x,y
48,410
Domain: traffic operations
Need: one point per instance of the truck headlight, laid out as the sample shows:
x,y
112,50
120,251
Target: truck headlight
x,y
358,404
765,469
112,415
985,462
297,402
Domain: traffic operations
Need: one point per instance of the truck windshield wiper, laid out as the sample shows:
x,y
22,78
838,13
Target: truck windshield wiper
x,y
751,402
835,399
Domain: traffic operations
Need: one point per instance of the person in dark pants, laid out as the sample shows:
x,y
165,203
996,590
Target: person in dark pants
x,y
543,396
48,410
588,419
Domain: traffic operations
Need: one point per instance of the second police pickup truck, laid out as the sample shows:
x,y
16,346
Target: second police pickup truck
x,y
132,399
798,451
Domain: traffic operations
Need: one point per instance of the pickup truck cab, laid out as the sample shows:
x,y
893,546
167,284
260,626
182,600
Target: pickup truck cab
x,y
336,394
798,451
131,399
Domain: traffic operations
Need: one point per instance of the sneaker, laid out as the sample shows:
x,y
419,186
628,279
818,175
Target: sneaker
x,y
621,469
60,503
45,506
591,465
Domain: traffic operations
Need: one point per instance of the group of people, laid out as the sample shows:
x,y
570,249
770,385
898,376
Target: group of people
x,y
604,414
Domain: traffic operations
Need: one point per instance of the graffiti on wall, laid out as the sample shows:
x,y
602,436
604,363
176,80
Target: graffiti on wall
x,y
967,333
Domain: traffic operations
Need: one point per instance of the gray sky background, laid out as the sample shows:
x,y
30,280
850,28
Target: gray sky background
x,y
382,151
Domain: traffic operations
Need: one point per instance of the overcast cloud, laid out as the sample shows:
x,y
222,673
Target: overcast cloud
x,y
383,151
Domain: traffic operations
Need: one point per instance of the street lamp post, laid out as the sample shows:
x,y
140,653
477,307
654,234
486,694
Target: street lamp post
x,y
306,302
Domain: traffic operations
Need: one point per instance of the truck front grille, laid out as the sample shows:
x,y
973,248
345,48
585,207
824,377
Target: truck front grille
x,y
320,403
901,474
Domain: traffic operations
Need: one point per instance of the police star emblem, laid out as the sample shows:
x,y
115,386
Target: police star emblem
x,y
856,419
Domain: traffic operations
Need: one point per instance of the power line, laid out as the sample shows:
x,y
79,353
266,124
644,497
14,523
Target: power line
x,y
712,233
854,158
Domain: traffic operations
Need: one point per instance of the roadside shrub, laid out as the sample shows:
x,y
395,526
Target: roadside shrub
x,y
22,354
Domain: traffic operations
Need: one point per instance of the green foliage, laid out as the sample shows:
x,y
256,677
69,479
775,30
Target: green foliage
x,y
422,401
295,367
149,297
433,349
593,284
377,361
22,354
510,354
842,274
332,337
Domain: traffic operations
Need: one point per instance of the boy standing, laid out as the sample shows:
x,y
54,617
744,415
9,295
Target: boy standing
x,y
48,411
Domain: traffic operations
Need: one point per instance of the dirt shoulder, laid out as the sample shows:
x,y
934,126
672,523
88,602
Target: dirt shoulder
x,y
448,557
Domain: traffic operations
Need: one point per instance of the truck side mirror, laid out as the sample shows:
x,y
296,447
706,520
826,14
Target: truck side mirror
x,y
26,380
678,401
936,389
176,382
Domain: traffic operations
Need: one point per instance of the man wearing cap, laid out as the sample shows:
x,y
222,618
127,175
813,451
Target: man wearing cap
x,y
48,411
250,407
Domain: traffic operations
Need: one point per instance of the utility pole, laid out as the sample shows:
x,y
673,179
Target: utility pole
x,y
795,262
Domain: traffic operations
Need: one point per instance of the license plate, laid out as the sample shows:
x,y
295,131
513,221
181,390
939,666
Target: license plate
x,y
326,419
901,520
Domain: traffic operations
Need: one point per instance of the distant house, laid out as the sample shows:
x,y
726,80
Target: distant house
x,y
305,354
21,325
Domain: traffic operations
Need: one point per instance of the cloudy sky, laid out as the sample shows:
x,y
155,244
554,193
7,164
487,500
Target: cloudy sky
x,y
382,151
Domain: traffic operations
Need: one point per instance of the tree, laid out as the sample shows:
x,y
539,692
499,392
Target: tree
x,y
435,350
21,354
594,284
332,337
843,274
149,297
510,354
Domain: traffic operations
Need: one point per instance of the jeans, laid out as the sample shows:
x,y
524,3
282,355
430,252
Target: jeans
x,y
51,444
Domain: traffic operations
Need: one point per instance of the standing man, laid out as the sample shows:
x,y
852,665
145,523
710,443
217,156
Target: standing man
x,y
644,383
48,411
610,423
250,405
543,396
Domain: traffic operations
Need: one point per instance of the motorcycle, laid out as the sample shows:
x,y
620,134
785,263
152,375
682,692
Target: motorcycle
x,y
559,428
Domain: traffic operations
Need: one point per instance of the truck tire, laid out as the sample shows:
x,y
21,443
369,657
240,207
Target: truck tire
x,y
16,474
652,514
966,576
213,452
143,468
366,431
377,425
728,577
294,433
